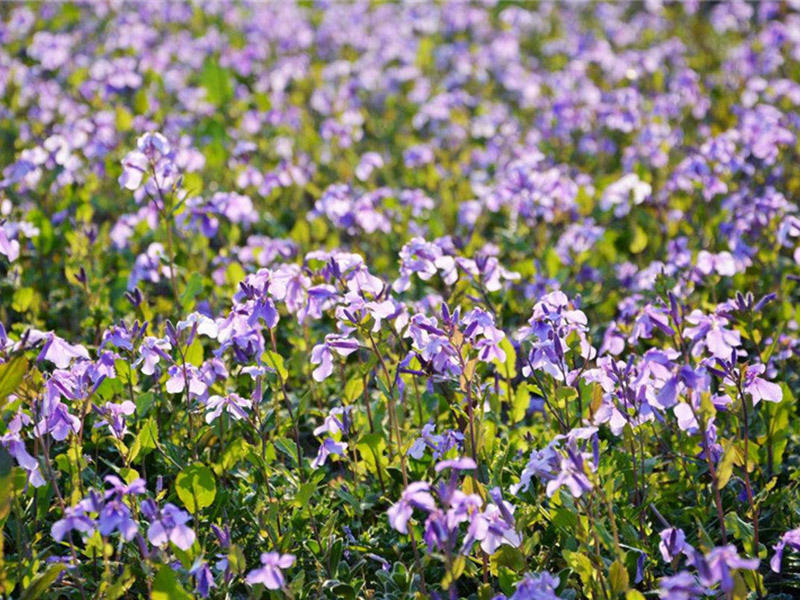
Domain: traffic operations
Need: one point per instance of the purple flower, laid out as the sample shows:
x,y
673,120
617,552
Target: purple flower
x,y
572,471
204,579
168,525
416,156
722,263
499,526
673,543
151,352
134,167
9,248
233,404
116,516
179,374
114,415
369,161
329,446
75,519
543,464
458,464
322,354
153,145
270,573
717,566
681,586
710,331
416,495
439,444
536,586
792,539
57,420
619,194
60,352
759,388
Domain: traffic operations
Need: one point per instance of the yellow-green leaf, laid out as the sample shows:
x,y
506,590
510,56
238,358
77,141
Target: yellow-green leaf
x,y
11,375
618,577
196,487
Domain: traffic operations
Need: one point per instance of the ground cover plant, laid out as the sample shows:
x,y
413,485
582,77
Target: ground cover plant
x,y
431,300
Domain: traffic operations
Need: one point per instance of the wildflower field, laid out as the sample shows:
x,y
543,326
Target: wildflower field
x,y
485,300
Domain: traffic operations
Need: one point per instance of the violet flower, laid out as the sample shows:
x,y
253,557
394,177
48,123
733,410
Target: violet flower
x,y
271,572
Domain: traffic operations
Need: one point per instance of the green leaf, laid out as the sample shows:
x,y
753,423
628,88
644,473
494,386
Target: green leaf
x,y
217,82
288,447
194,353
236,560
639,241
41,583
522,401
354,389
618,577
275,360
508,557
581,564
167,587
305,492
22,300
456,570
119,587
148,436
725,468
196,487
11,375
193,287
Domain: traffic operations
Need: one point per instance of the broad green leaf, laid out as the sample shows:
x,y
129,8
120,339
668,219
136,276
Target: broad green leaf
x,y
639,241
217,82
507,368
193,287
275,360
167,587
725,468
148,435
194,353
618,577
23,298
11,375
354,389
522,400
196,487
41,583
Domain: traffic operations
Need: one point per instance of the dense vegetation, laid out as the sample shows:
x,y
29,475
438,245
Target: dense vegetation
x,y
456,300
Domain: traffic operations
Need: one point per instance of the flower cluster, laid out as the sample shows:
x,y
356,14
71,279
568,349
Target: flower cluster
x,y
479,300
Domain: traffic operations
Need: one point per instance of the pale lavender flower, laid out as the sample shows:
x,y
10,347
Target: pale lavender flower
x,y
791,539
151,352
537,586
759,388
60,352
168,525
711,331
416,495
322,354
75,518
178,376
681,586
271,572
673,543
717,566
232,403
369,161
